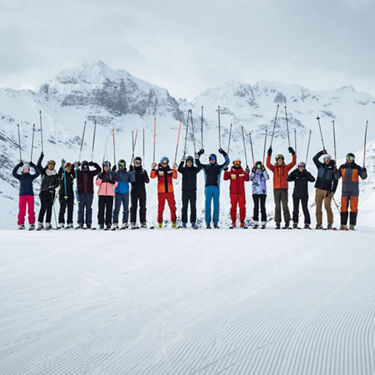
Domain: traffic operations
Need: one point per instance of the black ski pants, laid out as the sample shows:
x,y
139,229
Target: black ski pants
x,y
105,210
189,196
138,197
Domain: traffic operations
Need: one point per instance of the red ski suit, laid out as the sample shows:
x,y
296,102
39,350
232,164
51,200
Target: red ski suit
x,y
237,177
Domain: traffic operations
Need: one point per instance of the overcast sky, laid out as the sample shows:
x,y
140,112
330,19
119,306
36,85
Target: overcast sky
x,y
188,46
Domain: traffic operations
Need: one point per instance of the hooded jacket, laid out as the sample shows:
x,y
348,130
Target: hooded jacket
x,y
85,179
280,172
301,180
123,177
26,179
350,174
212,172
327,174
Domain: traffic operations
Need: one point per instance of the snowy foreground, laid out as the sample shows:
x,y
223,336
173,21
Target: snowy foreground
x,y
187,302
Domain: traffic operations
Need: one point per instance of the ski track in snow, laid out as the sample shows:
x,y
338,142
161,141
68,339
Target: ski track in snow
x,y
187,302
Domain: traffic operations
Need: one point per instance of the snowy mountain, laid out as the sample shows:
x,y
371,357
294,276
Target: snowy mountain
x,y
116,99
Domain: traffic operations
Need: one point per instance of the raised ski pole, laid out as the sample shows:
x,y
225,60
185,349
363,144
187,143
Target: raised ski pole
x,y
32,143
65,189
365,145
19,141
143,141
287,125
82,139
264,147
308,147
41,129
178,141
93,142
244,145
321,134
295,141
134,143
274,124
218,120
114,146
76,174
202,127
193,131
153,151
334,138
230,135
186,134
252,148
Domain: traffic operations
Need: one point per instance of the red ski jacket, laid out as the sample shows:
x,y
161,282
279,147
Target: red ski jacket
x,y
237,177
280,173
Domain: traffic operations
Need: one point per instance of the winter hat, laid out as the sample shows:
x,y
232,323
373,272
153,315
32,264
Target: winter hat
x,y
212,157
327,156
85,164
350,156
164,159
189,158
106,163
51,162
68,165
25,167
121,163
301,164
138,159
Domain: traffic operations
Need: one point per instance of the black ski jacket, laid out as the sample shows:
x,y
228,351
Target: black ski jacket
x,y
189,176
66,185
50,180
301,180
141,179
213,172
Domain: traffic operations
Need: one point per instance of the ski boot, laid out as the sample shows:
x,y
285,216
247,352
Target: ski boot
x,y
277,226
80,226
286,226
216,226
21,227
233,225
60,226
208,226
174,226
32,227
242,225
255,225
160,225
295,226
115,226
307,226
144,225
319,226
194,225
352,227
183,225
343,227
101,226
40,226
48,226
263,226
69,226
329,226
124,226
88,226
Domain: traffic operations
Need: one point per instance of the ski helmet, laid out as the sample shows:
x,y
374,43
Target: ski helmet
x,y
238,159
189,158
68,165
350,156
121,163
212,157
164,160
327,157
106,163
25,167
85,164
258,164
301,164
279,156
138,159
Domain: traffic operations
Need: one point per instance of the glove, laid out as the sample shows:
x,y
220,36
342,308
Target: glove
x,y
324,151
247,169
174,165
200,152
113,181
290,149
269,152
183,158
196,155
364,169
262,168
254,169
330,194
91,164
62,162
131,168
114,167
221,151
225,168
42,155
20,163
153,165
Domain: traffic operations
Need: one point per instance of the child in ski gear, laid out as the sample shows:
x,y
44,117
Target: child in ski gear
x,y
138,193
107,183
259,177
189,190
66,176
301,178
165,177
85,181
280,184
123,177
237,177
49,183
212,173
350,172
26,194
325,185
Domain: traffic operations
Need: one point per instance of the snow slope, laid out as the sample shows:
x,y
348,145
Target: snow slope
x,y
187,302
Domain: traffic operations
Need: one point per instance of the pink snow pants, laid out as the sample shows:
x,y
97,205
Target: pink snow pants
x,y
23,201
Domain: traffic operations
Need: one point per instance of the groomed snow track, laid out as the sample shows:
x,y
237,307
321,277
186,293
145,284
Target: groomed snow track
x,y
187,302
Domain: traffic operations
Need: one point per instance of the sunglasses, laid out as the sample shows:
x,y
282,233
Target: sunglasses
x,y
212,158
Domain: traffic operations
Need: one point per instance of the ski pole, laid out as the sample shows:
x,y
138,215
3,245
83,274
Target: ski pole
x,y
334,138
41,129
114,146
193,131
82,139
143,141
252,149
230,134
265,144
134,143
274,124
65,189
202,127
295,141
186,134
337,206
153,152
93,142
32,143
321,134
287,125
244,145
365,145
178,141
19,141
218,119
76,174
308,147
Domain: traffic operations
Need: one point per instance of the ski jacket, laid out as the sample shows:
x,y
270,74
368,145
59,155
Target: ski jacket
x,y
280,173
212,172
189,176
26,179
327,174
50,180
140,179
66,185
237,177
85,179
301,180
123,177
350,174
165,178
106,183
259,179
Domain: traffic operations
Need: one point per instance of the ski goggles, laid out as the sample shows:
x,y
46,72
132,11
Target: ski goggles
x,y
212,157
68,165
302,165
122,164
237,162
258,166
51,162
351,158
136,161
